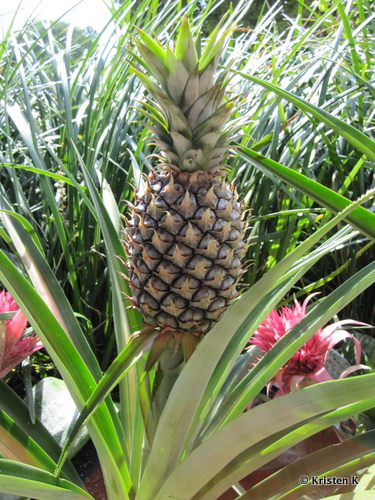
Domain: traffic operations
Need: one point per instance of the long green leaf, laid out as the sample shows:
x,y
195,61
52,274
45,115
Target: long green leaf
x,y
362,495
115,261
264,423
360,218
45,282
27,128
261,423
367,481
340,460
17,410
76,374
16,444
271,447
358,139
115,258
40,171
79,369
118,369
20,479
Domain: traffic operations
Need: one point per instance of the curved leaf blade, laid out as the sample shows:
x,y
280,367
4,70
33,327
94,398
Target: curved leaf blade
x,y
358,139
80,381
361,218
17,410
19,479
259,424
340,460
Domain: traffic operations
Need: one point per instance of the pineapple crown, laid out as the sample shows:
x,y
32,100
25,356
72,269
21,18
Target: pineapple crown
x,y
190,111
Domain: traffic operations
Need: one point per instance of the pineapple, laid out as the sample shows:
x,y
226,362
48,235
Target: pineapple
x,y
185,235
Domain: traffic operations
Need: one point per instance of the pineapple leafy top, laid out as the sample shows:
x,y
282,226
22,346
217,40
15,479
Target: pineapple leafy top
x,y
189,112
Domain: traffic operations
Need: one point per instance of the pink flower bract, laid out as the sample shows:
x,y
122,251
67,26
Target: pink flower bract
x,y
14,348
308,362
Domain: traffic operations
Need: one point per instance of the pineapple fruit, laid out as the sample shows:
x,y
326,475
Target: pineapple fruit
x,y
185,235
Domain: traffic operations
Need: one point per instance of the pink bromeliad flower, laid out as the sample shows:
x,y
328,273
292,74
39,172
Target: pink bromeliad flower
x,y
307,364
14,348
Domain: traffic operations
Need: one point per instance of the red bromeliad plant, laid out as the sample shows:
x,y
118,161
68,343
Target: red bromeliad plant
x,y
308,363
14,348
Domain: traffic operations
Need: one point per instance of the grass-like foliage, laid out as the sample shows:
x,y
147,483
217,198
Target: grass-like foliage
x,y
74,145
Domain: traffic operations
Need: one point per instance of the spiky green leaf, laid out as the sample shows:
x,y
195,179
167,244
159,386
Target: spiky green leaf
x,y
185,47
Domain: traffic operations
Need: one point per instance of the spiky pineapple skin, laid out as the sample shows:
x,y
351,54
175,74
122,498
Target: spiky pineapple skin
x,y
185,244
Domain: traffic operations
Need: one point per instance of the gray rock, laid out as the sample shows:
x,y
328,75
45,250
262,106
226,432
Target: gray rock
x,y
55,408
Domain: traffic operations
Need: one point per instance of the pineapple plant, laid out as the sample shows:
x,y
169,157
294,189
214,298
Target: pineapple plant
x,y
185,235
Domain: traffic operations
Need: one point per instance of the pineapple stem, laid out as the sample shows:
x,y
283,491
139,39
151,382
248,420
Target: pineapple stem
x,y
169,367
